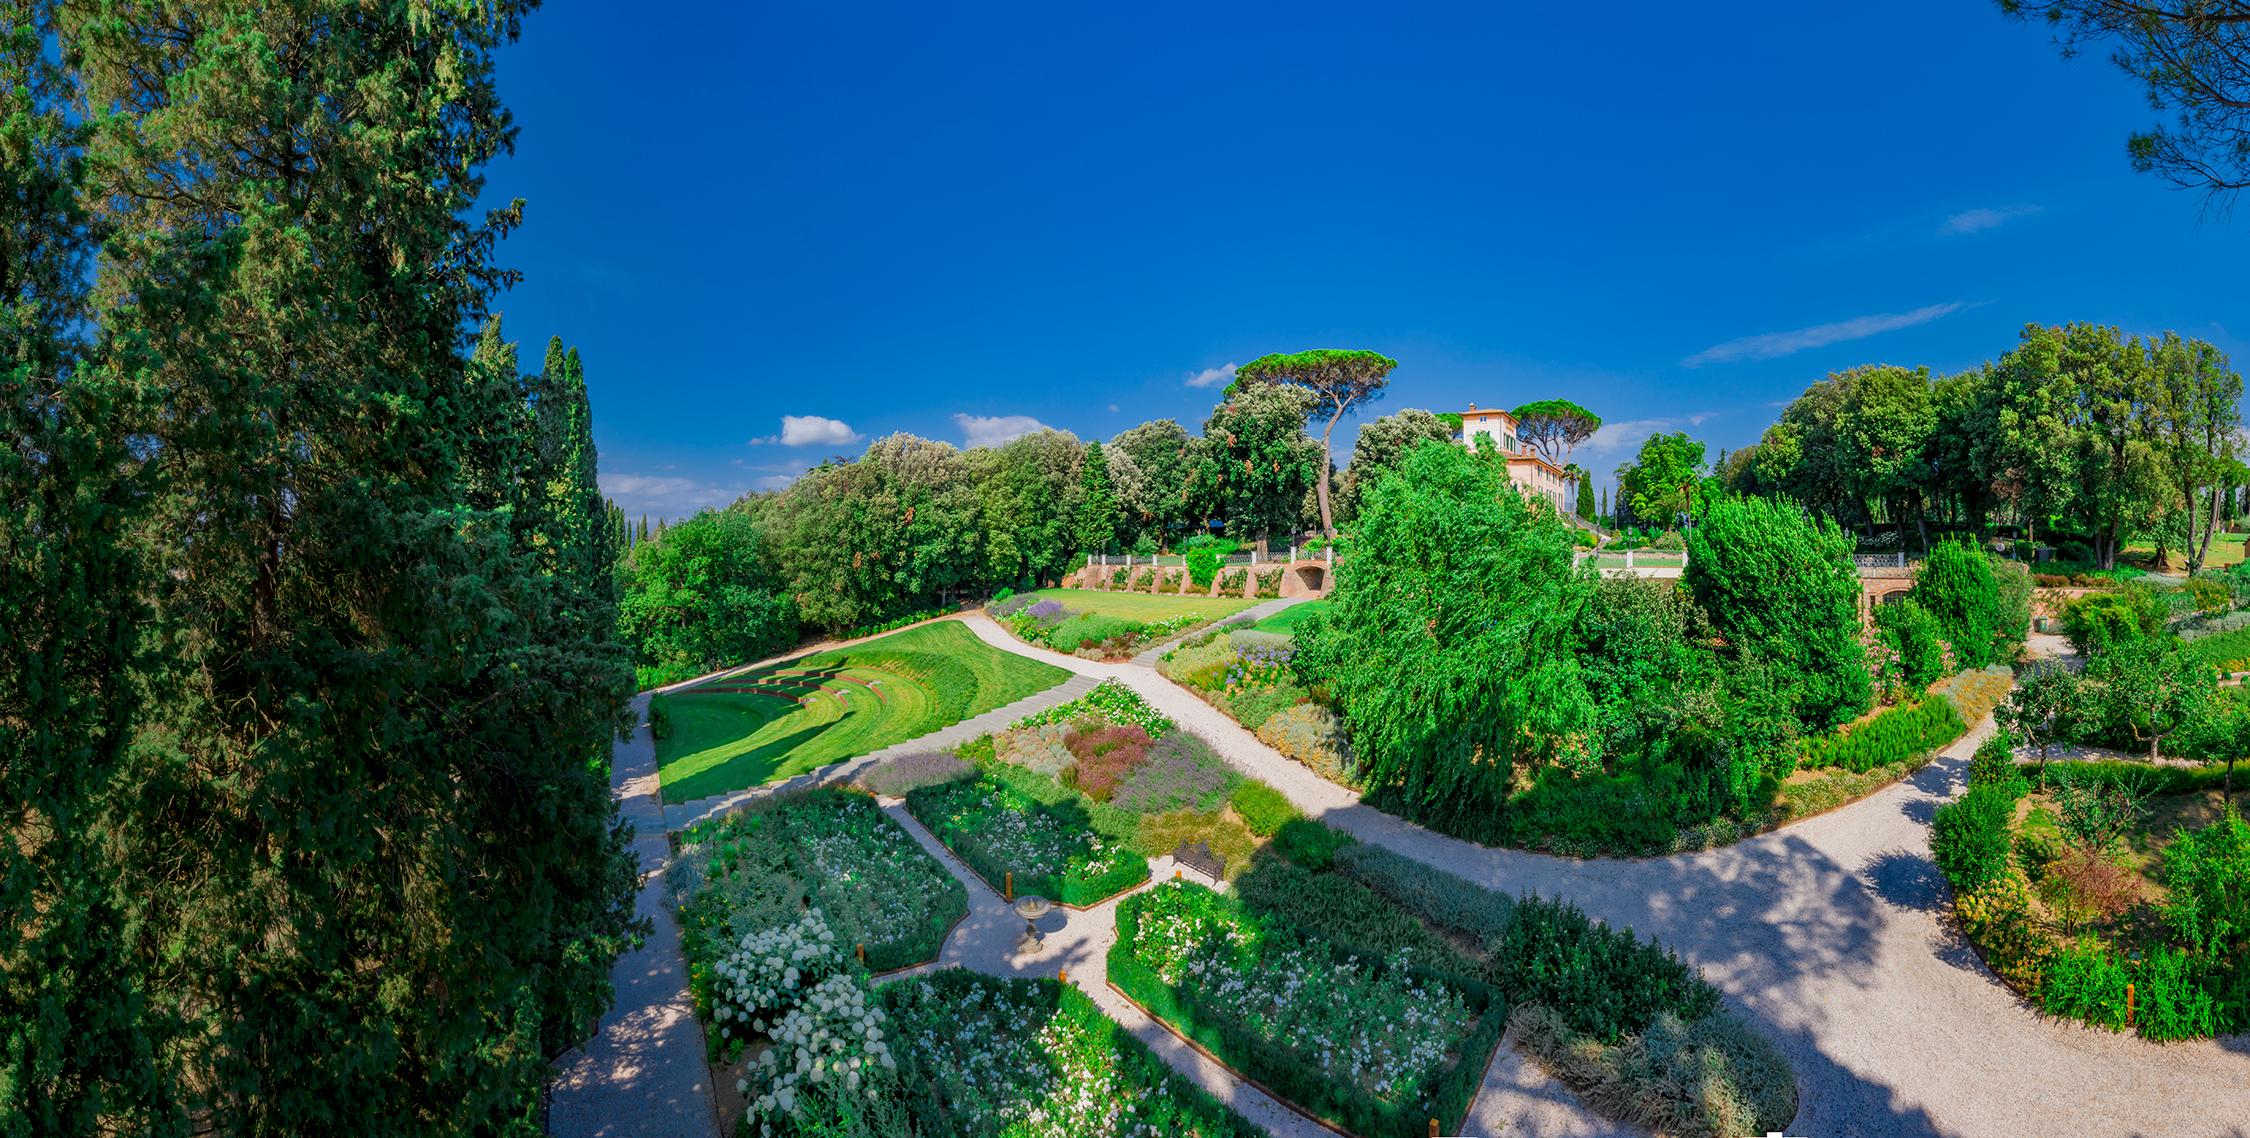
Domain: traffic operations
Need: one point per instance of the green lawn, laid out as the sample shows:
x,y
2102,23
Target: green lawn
x,y
1143,606
1286,620
757,727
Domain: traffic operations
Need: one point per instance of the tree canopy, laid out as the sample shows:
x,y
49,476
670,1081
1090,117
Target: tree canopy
x,y
1555,427
1449,638
2192,60
1781,589
1340,379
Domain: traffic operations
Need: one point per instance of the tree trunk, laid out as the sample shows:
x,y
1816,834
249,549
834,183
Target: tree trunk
x,y
1327,522
2211,524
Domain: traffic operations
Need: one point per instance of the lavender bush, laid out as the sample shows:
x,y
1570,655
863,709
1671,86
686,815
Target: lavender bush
x,y
1181,772
894,777
1047,610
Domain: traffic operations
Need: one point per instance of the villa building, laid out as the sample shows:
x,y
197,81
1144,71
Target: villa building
x,y
1526,468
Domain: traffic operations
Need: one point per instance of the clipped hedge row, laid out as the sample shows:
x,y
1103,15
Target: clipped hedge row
x,y
1896,735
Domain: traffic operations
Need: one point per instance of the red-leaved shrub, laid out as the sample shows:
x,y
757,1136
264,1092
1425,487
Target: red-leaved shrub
x,y
1104,757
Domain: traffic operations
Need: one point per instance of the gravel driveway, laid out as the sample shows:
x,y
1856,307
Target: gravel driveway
x,y
1829,935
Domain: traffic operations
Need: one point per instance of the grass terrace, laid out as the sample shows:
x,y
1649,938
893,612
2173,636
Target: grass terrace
x,y
1107,625
758,727
1286,621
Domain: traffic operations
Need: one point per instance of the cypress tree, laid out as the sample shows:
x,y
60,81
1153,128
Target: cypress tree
x,y
368,857
1098,513
74,1056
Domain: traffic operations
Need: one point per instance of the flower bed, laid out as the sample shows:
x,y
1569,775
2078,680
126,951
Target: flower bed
x,y
2113,897
1109,701
1377,1047
1051,849
755,869
1036,1059
1251,676
1620,1020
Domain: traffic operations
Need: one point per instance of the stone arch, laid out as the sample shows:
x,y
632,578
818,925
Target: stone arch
x,y
1308,579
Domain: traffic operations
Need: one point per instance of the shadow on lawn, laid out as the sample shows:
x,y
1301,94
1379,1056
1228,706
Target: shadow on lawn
x,y
753,767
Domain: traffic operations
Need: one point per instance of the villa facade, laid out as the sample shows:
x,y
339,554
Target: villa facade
x,y
1535,475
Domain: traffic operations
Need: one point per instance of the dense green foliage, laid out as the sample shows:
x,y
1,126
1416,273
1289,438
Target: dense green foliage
x,y
1781,588
1955,584
1913,638
2113,439
705,596
310,603
2099,622
1449,634
1555,427
1379,449
1894,735
1969,837
1660,484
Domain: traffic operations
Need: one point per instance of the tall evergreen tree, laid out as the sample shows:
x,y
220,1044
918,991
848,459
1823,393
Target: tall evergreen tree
x,y
74,1053
1097,503
370,859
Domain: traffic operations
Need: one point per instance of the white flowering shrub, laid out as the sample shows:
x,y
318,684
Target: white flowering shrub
x,y
766,974
833,1036
1034,1059
1326,1029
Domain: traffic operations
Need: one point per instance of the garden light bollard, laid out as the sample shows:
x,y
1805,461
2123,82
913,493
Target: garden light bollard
x,y
2128,1005
1433,1128
1008,887
863,956
1063,974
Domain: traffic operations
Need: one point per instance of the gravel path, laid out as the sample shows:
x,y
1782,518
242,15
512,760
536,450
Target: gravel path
x,y
1828,934
643,1072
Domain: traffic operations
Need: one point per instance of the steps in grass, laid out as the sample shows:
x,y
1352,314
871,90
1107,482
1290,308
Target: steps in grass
x,y
680,815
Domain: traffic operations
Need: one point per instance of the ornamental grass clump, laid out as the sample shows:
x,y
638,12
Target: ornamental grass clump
x,y
1044,748
1895,735
1312,735
1711,1078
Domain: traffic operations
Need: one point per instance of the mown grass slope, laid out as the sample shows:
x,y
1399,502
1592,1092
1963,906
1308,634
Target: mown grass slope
x,y
757,727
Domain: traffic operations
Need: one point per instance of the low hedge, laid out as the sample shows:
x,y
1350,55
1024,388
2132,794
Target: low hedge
x,y
660,717
1895,735
1453,903
1263,809
1450,1093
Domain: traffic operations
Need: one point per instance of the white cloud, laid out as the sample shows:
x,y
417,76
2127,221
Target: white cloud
x,y
1629,434
1773,345
776,481
993,430
1979,220
810,431
1212,377
664,496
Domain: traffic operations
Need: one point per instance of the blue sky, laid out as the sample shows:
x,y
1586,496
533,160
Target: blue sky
x,y
958,220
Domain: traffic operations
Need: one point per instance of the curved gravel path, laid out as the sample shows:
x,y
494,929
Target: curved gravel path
x,y
1829,934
